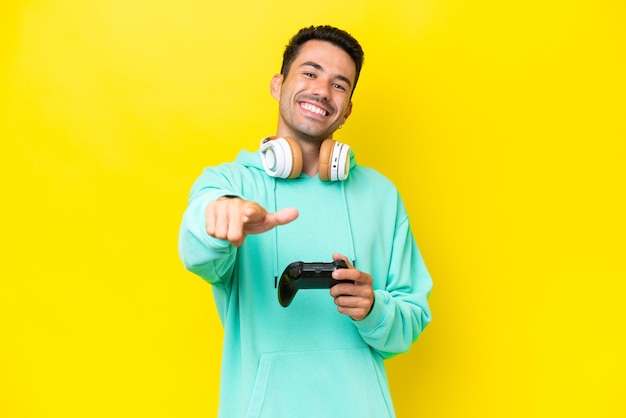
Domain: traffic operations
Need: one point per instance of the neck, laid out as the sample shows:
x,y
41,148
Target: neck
x,y
310,158
310,147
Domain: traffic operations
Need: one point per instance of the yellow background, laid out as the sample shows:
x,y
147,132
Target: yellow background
x,y
502,124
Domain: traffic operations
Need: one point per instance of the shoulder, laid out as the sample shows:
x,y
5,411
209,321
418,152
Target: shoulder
x,y
372,179
232,175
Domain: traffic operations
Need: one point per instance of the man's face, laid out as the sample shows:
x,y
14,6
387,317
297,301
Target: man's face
x,y
315,95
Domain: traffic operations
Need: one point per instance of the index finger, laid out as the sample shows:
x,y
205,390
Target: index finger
x,y
337,257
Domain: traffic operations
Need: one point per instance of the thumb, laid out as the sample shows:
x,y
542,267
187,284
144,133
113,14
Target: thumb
x,y
284,216
257,220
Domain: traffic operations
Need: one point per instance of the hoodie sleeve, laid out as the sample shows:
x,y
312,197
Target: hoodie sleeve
x,y
209,257
401,311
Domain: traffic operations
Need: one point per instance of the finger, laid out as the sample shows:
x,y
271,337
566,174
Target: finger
x,y
343,289
356,314
356,308
360,278
235,234
257,220
337,257
252,212
351,274
210,222
284,216
215,224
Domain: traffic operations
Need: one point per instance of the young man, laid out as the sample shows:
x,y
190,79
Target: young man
x,y
302,197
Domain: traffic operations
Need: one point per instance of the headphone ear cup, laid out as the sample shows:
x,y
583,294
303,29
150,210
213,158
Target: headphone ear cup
x,y
296,157
326,155
334,161
281,157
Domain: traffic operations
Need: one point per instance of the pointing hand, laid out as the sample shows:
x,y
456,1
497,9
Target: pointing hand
x,y
232,219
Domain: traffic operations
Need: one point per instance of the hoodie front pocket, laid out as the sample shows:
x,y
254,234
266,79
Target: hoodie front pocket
x,y
325,383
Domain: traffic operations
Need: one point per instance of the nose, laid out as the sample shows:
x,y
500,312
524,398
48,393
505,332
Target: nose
x,y
321,88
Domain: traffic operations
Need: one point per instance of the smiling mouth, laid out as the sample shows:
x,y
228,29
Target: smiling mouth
x,y
312,108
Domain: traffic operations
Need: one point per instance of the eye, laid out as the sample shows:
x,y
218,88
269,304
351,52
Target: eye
x,y
340,87
309,75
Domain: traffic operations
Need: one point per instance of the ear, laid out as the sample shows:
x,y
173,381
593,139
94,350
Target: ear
x,y
275,86
348,112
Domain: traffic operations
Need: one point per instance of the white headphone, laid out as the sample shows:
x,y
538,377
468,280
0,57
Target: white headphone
x,y
282,158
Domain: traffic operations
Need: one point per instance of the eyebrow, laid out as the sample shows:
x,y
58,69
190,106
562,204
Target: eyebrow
x,y
320,68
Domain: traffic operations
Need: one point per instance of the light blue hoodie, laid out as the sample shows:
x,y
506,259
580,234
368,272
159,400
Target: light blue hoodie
x,y
308,360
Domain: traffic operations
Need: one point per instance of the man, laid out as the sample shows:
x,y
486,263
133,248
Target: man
x,y
302,197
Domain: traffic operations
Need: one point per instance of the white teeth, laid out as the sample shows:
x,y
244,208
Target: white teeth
x,y
314,109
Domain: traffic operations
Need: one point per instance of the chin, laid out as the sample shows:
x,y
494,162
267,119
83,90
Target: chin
x,y
317,135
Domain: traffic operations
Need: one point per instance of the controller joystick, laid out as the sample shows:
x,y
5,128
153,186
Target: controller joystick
x,y
300,275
